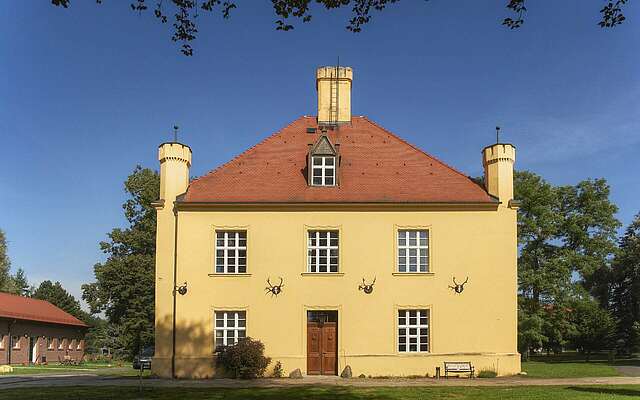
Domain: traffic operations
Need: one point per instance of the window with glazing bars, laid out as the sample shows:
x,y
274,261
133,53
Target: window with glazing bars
x,y
230,326
323,251
413,251
231,252
413,331
323,171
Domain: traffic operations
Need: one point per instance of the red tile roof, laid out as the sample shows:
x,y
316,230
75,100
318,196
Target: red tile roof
x,y
377,166
26,308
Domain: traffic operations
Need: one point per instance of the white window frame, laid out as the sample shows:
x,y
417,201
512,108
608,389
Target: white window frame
x,y
228,316
1,342
79,345
326,171
405,251
60,343
418,323
313,250
49,343
70,344
15,342
222,262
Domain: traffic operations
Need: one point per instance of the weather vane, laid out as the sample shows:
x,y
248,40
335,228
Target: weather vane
x,y
175,133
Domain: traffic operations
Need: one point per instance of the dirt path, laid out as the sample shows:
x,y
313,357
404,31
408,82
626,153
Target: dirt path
x,y
93,380
628,370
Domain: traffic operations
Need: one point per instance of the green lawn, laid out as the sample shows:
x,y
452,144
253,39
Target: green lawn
x,y
573,365
88,368
338,393
539,369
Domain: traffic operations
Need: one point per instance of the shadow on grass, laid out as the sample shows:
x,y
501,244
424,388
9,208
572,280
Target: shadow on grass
x,y
608,391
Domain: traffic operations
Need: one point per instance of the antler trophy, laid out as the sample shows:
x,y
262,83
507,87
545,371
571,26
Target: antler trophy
x,y
275,290
367,288
458,287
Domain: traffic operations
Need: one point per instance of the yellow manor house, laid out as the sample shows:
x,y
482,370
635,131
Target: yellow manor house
x,y
336,243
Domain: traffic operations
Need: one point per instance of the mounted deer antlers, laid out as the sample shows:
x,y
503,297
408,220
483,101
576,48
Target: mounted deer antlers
x,y
275,290
367,288
458,287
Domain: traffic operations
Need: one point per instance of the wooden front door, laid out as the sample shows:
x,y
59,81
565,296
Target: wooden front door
x,y
322,348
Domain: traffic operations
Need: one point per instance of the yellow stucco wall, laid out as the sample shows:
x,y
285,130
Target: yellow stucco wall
x,y
478,325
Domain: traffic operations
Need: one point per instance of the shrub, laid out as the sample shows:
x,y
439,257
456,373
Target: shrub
x,y
277,370
245,359
487,373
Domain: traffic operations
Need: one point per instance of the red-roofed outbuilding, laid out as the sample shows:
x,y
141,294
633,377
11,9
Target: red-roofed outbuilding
x,y
35,331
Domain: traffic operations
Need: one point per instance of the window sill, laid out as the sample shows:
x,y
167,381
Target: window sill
x,y
229,275
322,273
413,353
413,274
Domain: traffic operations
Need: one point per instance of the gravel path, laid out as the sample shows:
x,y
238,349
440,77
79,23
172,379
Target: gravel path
x,y
628,370
95,380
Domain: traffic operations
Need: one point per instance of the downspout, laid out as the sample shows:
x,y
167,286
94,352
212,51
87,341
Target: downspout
x,y
175,282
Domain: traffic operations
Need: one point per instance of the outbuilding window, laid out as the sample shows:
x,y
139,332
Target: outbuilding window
x,y
231,252
323,171
230,326
60,343
322,251
49,343
1,342
15,342
413,331
413,251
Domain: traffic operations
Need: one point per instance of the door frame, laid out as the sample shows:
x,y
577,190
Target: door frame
x,y
305,309
33,349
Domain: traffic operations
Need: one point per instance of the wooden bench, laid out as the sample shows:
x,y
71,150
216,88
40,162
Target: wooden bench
x,y
459,367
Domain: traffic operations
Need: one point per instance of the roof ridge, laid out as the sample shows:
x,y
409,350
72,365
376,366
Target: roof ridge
x,y
417,148
247,151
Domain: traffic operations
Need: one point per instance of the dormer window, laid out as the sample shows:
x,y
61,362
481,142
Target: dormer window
x,y
324,171
323,162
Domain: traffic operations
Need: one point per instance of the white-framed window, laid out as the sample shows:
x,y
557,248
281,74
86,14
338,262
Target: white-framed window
x,y
70,344
15,342
413,250
322,251
231,252
49,343
1,342
79,345
60,343
229,327
413,331
323,172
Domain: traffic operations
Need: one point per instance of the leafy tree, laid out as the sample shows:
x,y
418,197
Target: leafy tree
x,y
55,294
564,233
594,326
589,233
125,284
186,13
5,264
626,287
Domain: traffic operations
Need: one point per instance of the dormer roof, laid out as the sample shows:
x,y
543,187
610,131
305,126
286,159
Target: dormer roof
x,y
377,167
323,147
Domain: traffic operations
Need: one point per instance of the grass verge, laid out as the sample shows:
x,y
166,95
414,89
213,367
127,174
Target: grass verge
x,y
334,393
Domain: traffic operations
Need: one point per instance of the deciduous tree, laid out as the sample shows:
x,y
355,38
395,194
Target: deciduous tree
x,y
625,299
124,286
185,13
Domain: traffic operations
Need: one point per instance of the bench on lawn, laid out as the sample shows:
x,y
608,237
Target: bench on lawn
x,y
458,367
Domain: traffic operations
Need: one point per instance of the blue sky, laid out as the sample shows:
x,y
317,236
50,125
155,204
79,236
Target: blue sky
x,y
89,92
